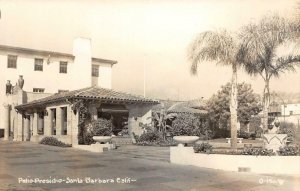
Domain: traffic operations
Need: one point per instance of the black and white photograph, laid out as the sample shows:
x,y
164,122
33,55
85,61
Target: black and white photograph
x,y
150,95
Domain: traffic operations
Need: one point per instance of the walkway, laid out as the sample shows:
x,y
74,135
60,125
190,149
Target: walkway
x,y
130,168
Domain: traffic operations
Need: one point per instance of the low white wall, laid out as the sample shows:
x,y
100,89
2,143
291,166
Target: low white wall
x,y
257,164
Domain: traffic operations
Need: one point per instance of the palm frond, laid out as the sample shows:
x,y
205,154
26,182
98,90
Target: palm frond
x,y
285,64
212,46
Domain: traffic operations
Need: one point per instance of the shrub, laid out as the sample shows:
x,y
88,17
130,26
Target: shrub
x,y
290,150
190,125
226,152
202,148
221,133
149,136
289,129
54,142
243,134
257,152
253,136
99,127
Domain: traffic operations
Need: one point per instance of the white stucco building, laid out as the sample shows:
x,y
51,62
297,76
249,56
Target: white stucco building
x,y
291,113
51,72
53,82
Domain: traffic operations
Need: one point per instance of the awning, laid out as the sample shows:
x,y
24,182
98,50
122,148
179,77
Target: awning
x,y
110,108
114,110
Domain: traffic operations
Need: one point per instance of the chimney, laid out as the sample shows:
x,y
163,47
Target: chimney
x,y
82,62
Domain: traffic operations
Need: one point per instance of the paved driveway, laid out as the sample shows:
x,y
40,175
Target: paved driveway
x,y
128,168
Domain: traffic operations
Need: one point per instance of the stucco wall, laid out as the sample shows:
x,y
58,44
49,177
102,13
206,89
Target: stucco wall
x,y
138,114
257,164
295,108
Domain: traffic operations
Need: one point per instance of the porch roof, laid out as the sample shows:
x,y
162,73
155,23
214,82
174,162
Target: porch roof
x,y
186,108
93,92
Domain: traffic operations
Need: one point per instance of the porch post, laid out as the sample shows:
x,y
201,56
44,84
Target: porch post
x,y
35,124
6,121
74,132
69,120
27,127
58,120
18,132
47,123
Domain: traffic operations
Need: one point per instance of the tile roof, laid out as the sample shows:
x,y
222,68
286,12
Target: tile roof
x,y
185,107
51,53
93,92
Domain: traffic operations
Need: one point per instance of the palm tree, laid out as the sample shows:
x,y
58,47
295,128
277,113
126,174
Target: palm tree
x,y
259,55
222,47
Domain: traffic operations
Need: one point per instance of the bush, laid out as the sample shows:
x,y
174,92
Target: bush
x,y
54,142
221,133
243,134
190,125
257,152
202,148
226,152
289,129
290,150
153,138
253,136
149,136
99,127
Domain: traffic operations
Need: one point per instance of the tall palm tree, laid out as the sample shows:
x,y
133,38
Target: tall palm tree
x,y
259,52
222,47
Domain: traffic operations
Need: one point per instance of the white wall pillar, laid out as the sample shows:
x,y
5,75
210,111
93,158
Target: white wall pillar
x,y
34,119
27,127
69,120
74,131
6,121
58,120
47,123
18,132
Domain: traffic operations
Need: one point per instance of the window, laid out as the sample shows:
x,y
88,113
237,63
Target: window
x,y
38,64
95,70
63,67
38,90
11,61
62,91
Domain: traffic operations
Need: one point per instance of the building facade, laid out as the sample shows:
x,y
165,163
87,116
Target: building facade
x,y
39,90
48,72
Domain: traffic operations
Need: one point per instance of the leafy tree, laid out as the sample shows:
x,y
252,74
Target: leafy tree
x,y
260,43
161,119
222,47
219,109
190,125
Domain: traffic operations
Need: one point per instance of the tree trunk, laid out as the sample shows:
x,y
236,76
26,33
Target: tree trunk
x,y
233,108
266,103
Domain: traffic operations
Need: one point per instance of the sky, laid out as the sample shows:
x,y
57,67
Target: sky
x,y
147,38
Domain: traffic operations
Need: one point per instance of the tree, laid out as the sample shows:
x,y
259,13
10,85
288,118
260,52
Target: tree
x,y
160,121
219,109
190,125
222,47
259,52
